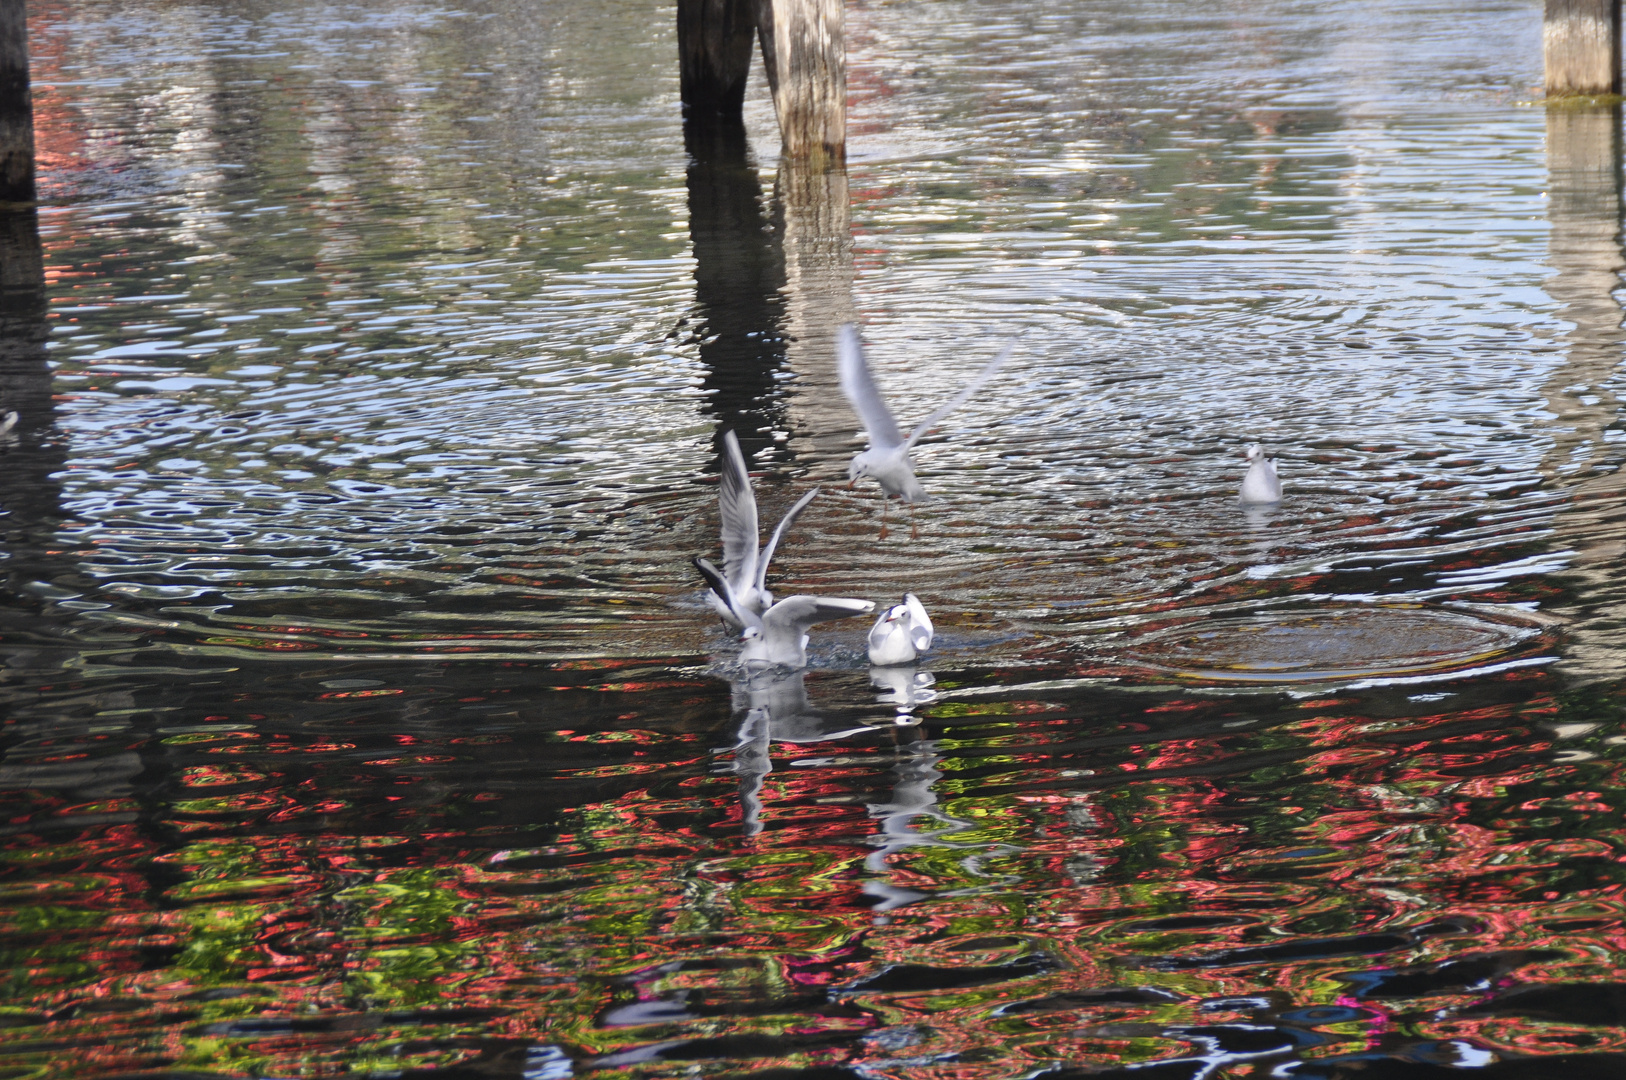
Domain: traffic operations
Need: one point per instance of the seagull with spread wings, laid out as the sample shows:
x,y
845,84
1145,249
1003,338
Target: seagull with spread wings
x,y
887,459
773,633
745,568
901,634
779,635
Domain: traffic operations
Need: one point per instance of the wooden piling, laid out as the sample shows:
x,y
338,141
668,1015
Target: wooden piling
x,y
806,58
16,106
1580,44
714,55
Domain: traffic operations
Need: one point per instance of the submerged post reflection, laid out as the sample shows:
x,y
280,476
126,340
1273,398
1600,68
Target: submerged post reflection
x,y
818,248
29,458
36,636
1584,208
738,272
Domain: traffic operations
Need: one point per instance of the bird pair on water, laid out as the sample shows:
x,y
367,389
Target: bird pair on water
x,y
775,633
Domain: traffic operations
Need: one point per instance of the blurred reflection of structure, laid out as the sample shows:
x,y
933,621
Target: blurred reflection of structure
x,y
28,456
770,298
738,272
818,246
37,643
1584,207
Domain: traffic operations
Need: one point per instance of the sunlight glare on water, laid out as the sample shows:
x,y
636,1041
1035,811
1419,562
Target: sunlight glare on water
x,y
363,712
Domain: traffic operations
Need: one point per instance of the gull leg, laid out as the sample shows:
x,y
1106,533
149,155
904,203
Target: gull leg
x,y
914,533
883,515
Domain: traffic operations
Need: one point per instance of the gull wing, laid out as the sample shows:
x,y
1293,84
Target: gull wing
x,y
877,633
718,583
921,630
859,386
773,541
801,611
737,508
959,399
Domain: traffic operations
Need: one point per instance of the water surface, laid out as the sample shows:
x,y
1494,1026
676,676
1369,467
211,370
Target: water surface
x,y
363,713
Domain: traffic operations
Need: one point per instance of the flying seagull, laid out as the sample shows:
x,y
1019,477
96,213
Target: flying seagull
x,y
887,459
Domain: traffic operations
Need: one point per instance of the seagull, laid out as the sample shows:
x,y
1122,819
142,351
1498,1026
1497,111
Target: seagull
x,y
887,459
778,637
902,633
8,421
744,567
1260,485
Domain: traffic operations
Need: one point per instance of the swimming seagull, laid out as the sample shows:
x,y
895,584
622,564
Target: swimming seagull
x,y
779,635
8,421
1260,485
744,567
902,633
887,459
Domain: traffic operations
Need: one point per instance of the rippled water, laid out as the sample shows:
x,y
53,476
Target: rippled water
x,y
363,713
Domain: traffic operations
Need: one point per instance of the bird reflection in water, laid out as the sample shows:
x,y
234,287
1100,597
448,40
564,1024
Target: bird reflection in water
x,y
775,708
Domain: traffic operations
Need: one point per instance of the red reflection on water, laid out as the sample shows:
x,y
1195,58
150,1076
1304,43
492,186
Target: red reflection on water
x,y
276,898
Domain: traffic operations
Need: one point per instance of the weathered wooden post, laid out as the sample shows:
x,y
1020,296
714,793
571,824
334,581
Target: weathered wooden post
x,y
1584,208
714,55
16,106
1580,44
806,56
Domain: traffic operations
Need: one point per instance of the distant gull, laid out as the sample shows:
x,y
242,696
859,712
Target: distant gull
x,y
779,635
901,634
887,459
745,569
1260,485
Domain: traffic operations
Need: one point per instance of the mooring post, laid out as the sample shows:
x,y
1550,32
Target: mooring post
x,y
16,106
806,57
1580,44
714,55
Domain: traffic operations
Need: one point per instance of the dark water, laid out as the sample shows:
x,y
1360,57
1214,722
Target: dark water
x,y
362,713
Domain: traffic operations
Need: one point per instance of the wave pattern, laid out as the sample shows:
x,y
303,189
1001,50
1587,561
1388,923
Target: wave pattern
x,y
361,710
